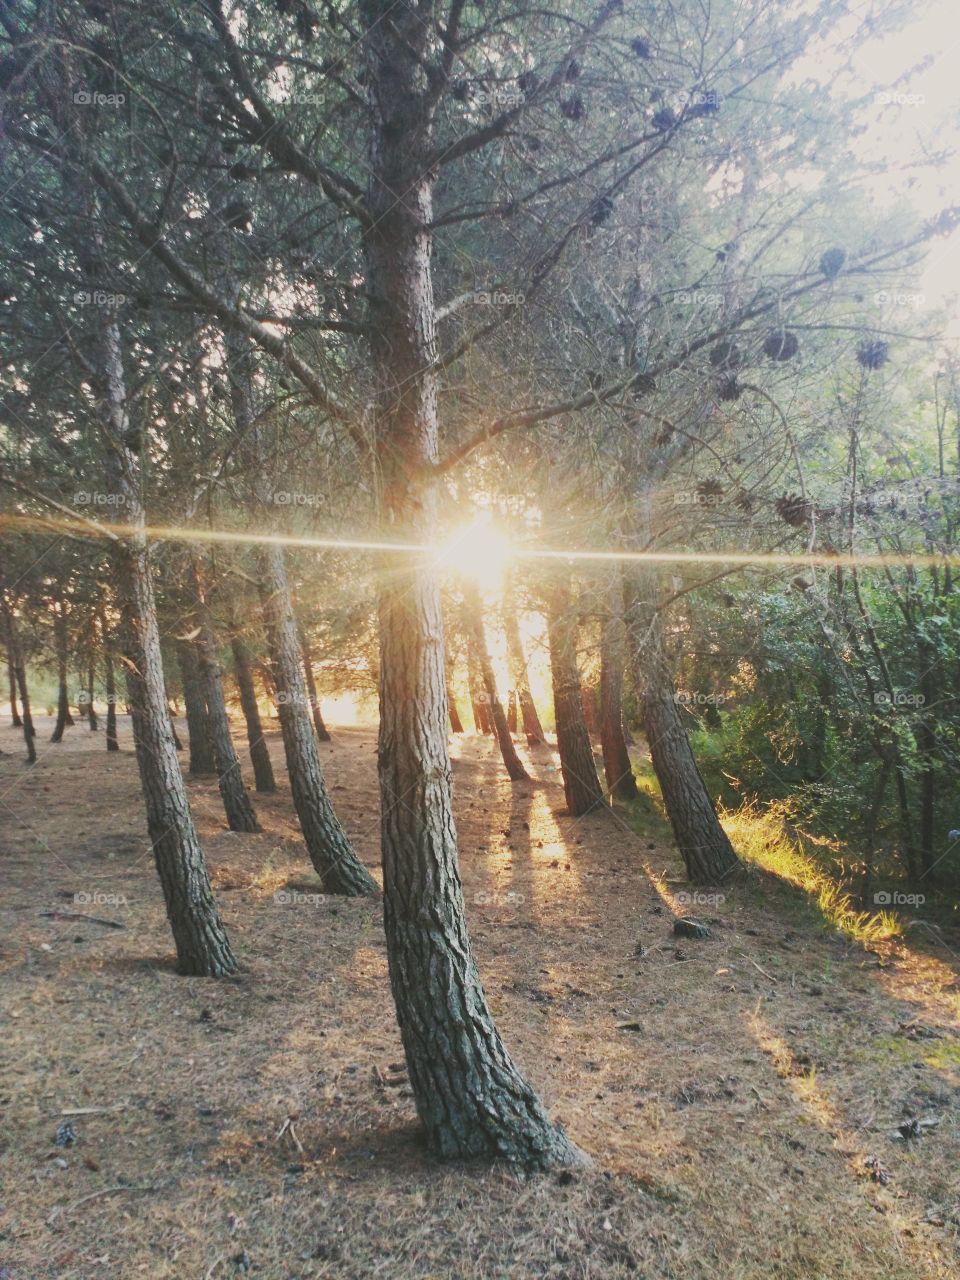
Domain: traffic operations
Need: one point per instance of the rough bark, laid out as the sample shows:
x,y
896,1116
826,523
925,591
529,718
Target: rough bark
x,y
471,1098
581,785
617,766
532,727
334,861
233,792
706,851
198,725
203,948
323,733
473,619
259,753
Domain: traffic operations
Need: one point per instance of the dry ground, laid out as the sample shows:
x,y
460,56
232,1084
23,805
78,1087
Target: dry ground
x,y
743,1124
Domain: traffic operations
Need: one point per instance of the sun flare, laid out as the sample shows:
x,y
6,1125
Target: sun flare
x,y
478,550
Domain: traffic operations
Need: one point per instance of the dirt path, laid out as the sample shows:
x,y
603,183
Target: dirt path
x,y
730,1092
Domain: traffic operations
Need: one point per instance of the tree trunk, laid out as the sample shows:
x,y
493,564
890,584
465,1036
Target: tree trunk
x,y
15,720
259,754
456,724
91,713
581,786
63,698
471,1098
323,733
233,792
110,688
617,766
706,851
203,948
473,610
15,654
482,722
198,721
518,663
334,861
512,710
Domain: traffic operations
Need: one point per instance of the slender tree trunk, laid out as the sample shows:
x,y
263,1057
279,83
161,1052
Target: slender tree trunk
x,y
63,698
471,1098
198,721
323,733
259,754
110,689
203,948
334,861
706,851
91,713
456,724
15,720
512,710
518,663
617,766
581,786
473,618
233,792
15,653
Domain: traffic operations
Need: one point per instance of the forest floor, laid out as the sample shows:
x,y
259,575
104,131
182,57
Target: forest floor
x,y
740,1096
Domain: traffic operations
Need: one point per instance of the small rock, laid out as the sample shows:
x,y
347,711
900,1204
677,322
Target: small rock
x,y
688,928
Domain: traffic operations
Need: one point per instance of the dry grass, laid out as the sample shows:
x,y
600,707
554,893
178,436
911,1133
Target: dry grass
x,y
266,1121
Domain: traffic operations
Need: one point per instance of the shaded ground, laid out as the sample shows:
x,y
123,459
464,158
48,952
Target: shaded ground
x,y
740,1096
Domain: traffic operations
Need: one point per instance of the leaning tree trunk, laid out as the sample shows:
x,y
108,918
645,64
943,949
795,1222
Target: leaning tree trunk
x,y
532,727
471,1098
15,720
334,861
233,792
198,721
473,610
706,851
323,733
63,698
617,766
203,948
330,852
581,786
15,653
259,753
